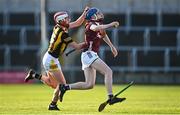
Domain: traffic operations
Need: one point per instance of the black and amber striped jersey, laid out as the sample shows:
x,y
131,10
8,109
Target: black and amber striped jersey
x,y
58,42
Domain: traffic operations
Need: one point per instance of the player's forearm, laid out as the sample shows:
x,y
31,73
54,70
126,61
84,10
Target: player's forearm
x,y
105,26
102,27
80,20
77,46
82,45
77,23
107,40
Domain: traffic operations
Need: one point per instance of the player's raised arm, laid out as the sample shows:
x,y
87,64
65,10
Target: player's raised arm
x,y
105,26
80,20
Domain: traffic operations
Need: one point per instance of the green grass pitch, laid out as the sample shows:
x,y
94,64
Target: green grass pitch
x,y
141,99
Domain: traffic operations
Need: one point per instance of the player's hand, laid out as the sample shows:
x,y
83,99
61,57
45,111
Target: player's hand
x,y
114,51
115,24
86,9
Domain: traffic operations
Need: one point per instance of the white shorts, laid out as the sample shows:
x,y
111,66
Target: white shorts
x,y
87,58
50,63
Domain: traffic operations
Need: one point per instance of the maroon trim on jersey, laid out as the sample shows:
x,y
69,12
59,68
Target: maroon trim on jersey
x,y
92,36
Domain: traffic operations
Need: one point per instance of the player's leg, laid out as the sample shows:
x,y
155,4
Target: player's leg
x,y
53,104
53,84
59,76
87,58
90,77
46,79
32,75
100,66
56,78
103,68
50,81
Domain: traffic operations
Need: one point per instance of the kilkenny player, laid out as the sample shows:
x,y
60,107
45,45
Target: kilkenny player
x,y
59,41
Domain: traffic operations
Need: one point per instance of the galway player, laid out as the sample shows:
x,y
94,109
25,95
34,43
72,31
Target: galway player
x,y
94,33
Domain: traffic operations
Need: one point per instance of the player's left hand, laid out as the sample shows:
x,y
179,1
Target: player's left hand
x,y
114,51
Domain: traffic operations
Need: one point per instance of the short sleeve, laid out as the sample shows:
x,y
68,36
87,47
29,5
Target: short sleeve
x,y
92,27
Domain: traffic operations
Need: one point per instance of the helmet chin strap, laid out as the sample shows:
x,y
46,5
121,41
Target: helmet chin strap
x,y
96,18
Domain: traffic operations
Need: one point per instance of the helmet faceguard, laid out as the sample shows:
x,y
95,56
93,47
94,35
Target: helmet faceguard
x,y
94,14
61,19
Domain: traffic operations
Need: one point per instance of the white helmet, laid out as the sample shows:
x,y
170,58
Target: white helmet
x,y
60,16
